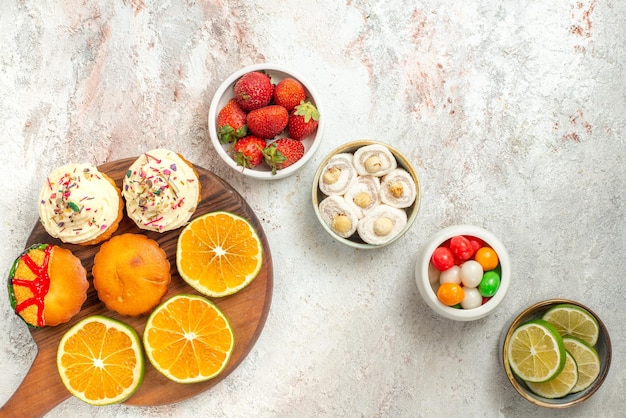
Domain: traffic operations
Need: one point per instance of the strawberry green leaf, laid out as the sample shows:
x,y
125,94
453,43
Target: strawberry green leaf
x,y
307,110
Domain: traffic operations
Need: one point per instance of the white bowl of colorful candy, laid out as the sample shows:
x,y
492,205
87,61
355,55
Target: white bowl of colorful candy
x,y
463,272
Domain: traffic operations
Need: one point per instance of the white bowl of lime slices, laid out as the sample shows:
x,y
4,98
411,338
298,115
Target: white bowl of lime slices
x,y
575,355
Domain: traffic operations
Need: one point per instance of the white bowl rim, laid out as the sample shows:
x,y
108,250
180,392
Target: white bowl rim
x,y
315,191
213,110
423,282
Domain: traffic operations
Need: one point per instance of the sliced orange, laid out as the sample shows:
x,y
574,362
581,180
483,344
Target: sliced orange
x,y
100,360
219,253
188,339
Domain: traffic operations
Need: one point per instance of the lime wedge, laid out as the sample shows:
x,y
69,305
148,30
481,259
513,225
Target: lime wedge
x,y
561,385
587,360
536,352
575,321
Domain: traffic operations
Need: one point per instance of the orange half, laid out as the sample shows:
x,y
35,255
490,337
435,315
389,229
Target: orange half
x,y
219,254
100,360
188,339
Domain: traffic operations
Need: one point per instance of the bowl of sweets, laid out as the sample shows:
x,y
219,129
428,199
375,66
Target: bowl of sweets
x,y
366,194
463,272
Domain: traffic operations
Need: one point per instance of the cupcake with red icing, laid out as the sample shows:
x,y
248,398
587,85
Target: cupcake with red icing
x,y
47,285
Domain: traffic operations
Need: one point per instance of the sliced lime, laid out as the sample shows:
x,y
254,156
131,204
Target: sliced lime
x,y
561,385
536,352
587,359
575,321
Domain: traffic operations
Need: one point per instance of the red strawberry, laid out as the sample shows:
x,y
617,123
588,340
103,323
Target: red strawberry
x,y
253,90
282,153
288,93
303,120
231,122
248,151
268,121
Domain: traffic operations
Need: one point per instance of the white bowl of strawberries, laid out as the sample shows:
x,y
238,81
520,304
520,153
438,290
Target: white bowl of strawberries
x,y
265,121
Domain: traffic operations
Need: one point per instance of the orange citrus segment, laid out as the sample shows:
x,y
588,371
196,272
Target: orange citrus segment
x,y
100,360
219,253
188,339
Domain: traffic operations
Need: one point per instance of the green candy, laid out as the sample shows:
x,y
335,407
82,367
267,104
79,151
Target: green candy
x,y
489,284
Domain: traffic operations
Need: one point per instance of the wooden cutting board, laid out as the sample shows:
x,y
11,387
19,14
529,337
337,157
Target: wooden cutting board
x,y
247,310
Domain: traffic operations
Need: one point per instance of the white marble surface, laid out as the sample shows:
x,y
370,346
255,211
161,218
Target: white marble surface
x,y
512,113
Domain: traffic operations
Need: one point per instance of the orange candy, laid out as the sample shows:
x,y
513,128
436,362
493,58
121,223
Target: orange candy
x,y
450,294
487,258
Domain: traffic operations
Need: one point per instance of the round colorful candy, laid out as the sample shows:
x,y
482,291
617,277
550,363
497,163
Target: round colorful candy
x,y
489,284
433,274
450,294
442,258
472,299
487,258
471,273
475,242
461,247
452,275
